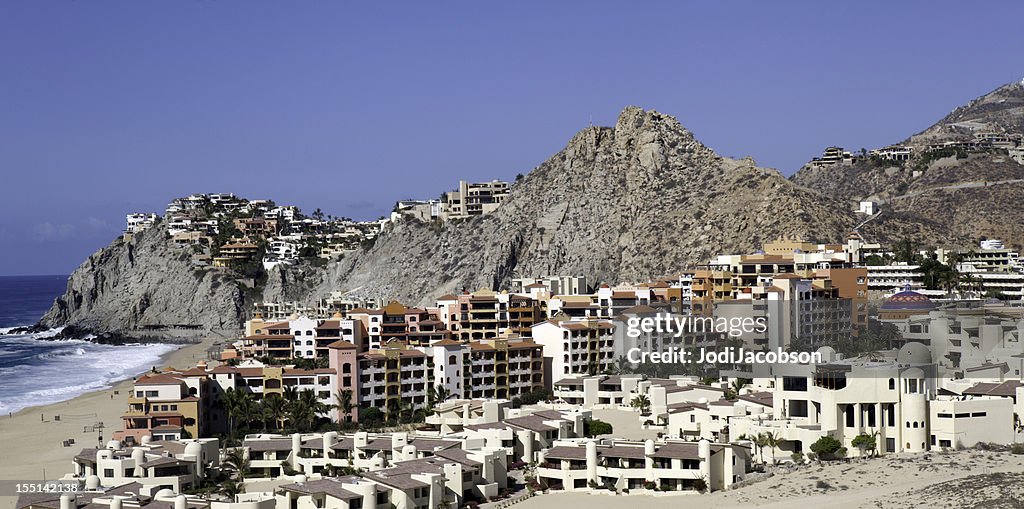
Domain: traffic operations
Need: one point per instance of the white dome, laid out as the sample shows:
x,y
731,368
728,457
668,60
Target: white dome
x,y
92,482
164,493
914,353
193,449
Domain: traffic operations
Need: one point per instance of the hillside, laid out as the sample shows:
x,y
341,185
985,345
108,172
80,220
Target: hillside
x,y
625,203
956,197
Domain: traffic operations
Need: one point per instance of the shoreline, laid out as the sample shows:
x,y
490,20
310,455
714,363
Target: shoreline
x,y
33,438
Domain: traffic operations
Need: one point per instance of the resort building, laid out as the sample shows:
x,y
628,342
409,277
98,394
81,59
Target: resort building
x,y
164,407
174,465
575,346
665,465
485,314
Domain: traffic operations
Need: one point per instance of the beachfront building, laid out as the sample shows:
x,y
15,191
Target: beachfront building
x,y
668,465
154,464
164,406
298,336
962,338
400,375
957,422
263,380
887,399
448,478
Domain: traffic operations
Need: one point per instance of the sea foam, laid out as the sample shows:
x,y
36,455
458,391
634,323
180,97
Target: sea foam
x,y
36,372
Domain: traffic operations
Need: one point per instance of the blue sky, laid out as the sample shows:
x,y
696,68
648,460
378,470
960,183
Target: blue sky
x,y
111,107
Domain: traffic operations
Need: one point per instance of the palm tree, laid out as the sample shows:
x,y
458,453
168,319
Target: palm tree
x,y
772,440
239,406
236,462
641,402
343,403
392,409
230,488
405,411
623,366
761,441
305,410
275,408
442,394
290,393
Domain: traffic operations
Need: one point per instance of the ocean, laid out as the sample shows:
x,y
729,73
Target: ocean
x,y
35,372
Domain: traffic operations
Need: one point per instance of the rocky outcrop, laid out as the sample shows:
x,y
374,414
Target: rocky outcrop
x,y
145,288
639,200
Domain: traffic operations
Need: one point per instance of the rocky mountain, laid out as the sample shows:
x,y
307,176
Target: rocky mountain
x,y
1001,110
951,197
625,203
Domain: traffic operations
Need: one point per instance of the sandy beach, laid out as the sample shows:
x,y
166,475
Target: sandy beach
x,y
32,438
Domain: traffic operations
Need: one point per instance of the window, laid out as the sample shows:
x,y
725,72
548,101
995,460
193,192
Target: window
x,y
791,383
108,472
892,384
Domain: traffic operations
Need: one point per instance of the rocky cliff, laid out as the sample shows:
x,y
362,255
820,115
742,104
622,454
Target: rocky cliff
x,y
146,287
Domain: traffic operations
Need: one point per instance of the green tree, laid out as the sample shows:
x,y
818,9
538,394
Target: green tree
x,y
344,404
865,443
237,463
275,408
230,488
905,250
371,416
828,448
595,427
642,403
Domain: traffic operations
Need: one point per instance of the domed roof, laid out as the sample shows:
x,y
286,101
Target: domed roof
x,y
914,353
908,300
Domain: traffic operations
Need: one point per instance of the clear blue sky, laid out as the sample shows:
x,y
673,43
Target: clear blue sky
x,y
111,107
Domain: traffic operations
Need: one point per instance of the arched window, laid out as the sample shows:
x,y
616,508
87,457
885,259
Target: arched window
x,y
451,360
346,368
892,384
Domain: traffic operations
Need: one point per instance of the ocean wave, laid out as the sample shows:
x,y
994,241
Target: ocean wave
x,y
45,372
